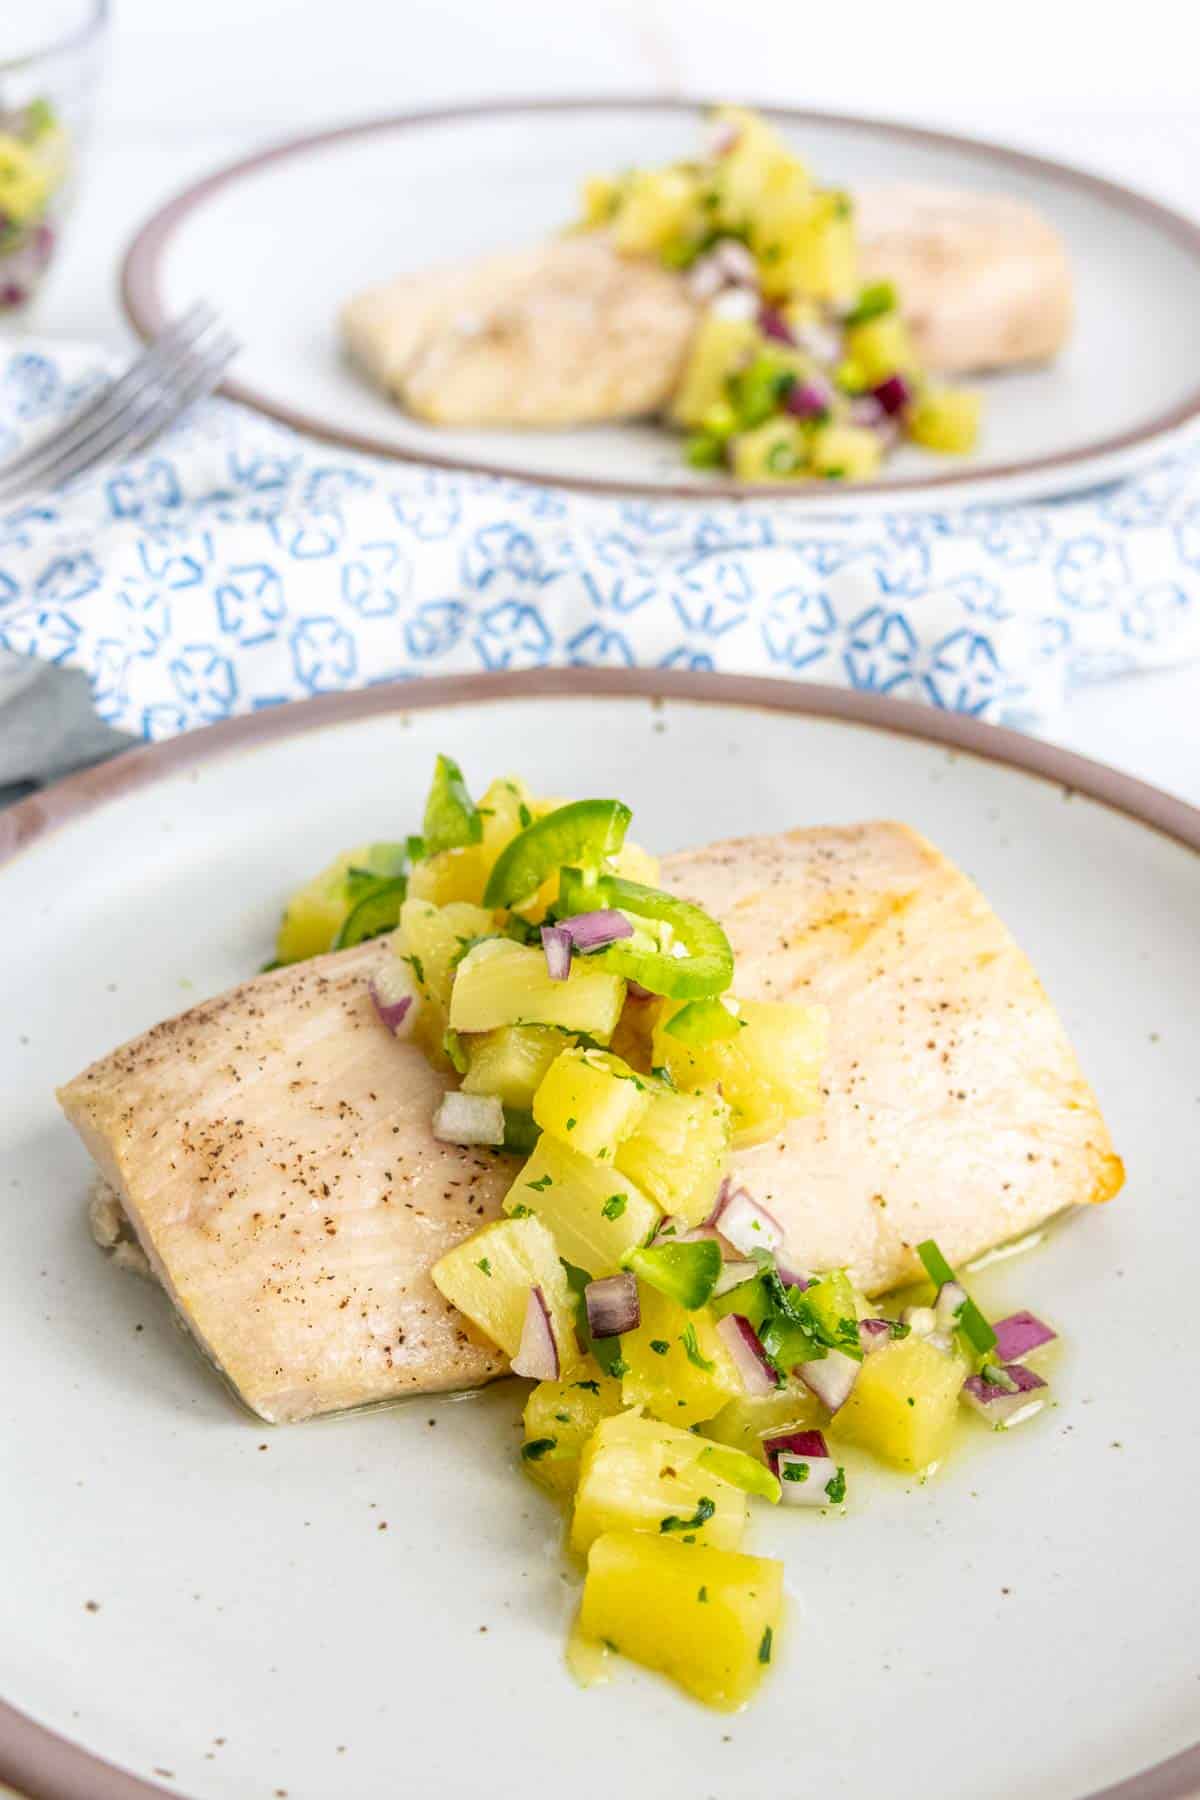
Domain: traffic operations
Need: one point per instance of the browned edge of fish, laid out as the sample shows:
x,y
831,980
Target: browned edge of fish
x,y
143,298
44,1766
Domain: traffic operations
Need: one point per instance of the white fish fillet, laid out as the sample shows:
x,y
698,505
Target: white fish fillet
x,y
984,280
272,1148
565,333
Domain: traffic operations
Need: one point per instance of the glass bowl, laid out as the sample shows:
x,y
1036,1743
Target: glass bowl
x,y
49,63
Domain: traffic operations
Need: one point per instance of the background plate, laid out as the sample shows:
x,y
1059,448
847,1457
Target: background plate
x,y
217,1606
278,241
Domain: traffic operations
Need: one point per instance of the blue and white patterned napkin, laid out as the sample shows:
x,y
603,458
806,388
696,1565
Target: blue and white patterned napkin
x,y
238,566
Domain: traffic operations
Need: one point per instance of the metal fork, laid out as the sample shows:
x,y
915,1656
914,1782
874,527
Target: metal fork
x,y
185,362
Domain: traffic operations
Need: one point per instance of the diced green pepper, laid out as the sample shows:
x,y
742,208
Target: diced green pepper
x,y
584,832
971,1321
521,1132
451,816
877,298
742,1471
704,971
702,1022
685,1273
378,911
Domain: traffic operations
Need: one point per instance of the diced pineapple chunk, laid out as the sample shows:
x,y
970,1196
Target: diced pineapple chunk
x,y
821,259
452,875
946,419
594,1213
511,1062
316,912
676,1364
677,1151
590,1100
503,983
881,347
560,1416
719,347
769,1073
904,1404
708,1619
632,863
749,1418
641,1475
601,197
753,163
435,937
846,452
656,206
488,1278
777,450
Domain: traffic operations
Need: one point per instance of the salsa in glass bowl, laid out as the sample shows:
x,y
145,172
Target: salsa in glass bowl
x,y
49,58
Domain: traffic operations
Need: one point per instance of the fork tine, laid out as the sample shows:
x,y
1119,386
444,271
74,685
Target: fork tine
x,y
156,406
35,468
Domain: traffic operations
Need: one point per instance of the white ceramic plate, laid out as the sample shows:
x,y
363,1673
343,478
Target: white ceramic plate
x,y
215,1605
278,241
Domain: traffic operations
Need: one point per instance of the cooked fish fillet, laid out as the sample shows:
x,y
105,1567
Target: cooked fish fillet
x,y
565,333
954,1104
984,280
272,1148
273,1151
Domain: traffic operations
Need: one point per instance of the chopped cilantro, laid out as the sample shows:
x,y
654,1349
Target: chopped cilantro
x,y
615,1205
540,1186
618,1366
592,1387
705,1508
794,1471
764,1648
563,1418
702,1596
692,1349
661,1073
416,965
571,1124
484,1264
536,1448
659,1346
525,816
521,1211
911,1401
835,1487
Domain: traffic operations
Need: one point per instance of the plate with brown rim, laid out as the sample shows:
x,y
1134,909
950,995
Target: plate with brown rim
x,y
280,239
198,1605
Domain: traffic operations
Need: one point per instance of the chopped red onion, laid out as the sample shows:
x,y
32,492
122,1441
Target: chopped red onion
x,y
732,1275
592,930
831,1379
537,1356
952,1297
873,1334
736,262
1020,1333
736,303
866,410
772,324
557,945
723,137
794,1443
612,1306
793,1277
894,395
469,1119
1003,1405
747,1225
810,1485
674,1230
394,995
807,400
819,342
749,1358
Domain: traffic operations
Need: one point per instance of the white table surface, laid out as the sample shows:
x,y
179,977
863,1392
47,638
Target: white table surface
x,y
192,83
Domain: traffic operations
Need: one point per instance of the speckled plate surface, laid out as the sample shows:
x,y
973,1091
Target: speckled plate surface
x,y
376,1605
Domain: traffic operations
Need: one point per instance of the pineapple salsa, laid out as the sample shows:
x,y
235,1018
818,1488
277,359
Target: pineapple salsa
x,y
681,1363
796,371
